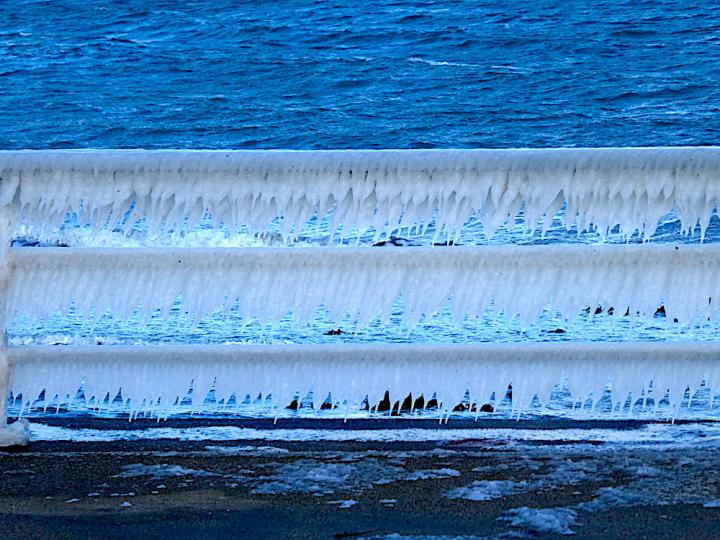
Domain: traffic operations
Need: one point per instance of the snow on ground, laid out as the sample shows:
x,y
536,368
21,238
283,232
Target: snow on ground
x,y
542,520
306,476
665,433
160,471
246,450
432,473
485,490
315,477
15,434
648,466
562,472
611,497
396,536
347,503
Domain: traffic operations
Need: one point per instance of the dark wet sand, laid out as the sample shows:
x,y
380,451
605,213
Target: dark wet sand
x,y
38,483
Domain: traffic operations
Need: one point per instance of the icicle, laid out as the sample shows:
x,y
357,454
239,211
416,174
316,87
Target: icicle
x,y
352,372
630,187
271,282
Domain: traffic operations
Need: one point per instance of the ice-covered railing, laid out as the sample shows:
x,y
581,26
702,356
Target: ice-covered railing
x,y
350,373
380,189
269,283
383,190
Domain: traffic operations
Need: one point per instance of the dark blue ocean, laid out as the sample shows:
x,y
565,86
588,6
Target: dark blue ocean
x,y
342,74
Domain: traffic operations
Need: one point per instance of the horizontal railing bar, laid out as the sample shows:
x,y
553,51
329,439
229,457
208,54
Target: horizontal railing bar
x,y
95,162
630,187
353,372
495,352
23,255
270,282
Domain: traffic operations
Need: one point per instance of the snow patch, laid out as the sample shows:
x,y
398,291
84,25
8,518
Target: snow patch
x,y
486,490
160,471
611,497
397,536
306,476
247,450
15,434
348,503
541,520
319,478
426,474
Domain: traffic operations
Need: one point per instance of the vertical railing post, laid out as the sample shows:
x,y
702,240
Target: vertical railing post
x,y
5,239
16,434
4,387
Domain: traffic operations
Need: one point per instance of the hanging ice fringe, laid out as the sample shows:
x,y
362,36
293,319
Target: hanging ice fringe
x,y
268,283
353,372
630,187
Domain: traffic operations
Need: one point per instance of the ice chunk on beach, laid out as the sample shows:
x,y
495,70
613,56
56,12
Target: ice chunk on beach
x,y
542,520
426,474
15,434
486,490
160,471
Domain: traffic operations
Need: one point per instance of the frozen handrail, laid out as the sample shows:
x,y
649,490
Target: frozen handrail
x,y
267,283
605,187
383,189
351,372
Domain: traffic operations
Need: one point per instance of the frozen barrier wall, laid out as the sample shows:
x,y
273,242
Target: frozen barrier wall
x,y
269,283
353,372
382,189
629,187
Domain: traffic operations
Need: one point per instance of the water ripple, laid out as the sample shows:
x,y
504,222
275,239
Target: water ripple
x,y
384,74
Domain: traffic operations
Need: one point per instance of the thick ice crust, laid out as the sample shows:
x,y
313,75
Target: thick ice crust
x,y
146,374
630,187
15,434
270,282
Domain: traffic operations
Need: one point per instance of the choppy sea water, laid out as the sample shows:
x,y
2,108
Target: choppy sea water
x,y
343,74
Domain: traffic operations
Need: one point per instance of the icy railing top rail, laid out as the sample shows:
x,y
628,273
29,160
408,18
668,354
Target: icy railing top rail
x,y
382,189
269,283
